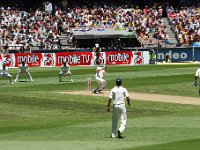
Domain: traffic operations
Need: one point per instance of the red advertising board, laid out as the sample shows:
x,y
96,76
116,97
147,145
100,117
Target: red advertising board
x,y
32,59
116,57
74,58
8,59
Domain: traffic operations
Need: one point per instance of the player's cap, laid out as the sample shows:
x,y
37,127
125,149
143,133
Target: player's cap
x,y
118,81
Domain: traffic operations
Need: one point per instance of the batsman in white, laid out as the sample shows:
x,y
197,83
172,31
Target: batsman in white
x,y
118,95
64,71
196,78
4,73
99,79
23,68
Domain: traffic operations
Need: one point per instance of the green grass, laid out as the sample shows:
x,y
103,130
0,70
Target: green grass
x,y
33,116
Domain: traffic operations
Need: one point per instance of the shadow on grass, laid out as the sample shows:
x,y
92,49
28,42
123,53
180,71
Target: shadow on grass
x,y
65,81
23,81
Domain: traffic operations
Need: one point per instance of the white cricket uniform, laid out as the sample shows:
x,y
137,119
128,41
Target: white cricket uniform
x,y
197,73
23,69
118,95
4,73
99,78
65,70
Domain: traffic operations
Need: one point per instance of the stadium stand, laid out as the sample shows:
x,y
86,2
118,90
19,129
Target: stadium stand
x,y
51,25
186,24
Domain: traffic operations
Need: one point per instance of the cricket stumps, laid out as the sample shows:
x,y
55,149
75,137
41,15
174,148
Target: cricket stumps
x,y
88,84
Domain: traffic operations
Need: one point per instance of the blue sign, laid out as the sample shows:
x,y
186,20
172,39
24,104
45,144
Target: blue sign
x,y
176,54
197,53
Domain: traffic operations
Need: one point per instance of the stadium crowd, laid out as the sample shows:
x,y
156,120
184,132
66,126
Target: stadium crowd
x,y
186,24
43,26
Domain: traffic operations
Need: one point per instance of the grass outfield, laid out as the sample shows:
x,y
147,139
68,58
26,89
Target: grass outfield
x,y
33,116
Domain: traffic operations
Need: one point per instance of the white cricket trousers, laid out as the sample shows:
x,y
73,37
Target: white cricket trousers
x,y
118,109
7,75
101,83
19,73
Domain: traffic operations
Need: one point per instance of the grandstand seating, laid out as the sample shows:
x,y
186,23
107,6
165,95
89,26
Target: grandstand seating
x,y
41,28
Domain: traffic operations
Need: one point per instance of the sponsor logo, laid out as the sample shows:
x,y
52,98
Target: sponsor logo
x,y
119,57
99,59
173,55
28,59
139,58
7,59
48,59
74,59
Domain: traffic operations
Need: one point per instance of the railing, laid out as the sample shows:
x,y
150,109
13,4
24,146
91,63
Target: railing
x,y
12,49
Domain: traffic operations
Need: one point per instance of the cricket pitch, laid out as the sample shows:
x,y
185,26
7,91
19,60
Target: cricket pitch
x,y
144,97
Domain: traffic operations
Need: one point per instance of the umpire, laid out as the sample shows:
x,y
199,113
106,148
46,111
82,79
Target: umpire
x,y
118,95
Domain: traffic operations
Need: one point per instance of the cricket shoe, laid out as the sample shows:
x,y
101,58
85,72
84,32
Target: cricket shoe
x,y
11,83
119,134
71,80
113,136
100,91
95,91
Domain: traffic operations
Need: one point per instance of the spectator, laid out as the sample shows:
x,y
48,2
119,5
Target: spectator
x,y
42,27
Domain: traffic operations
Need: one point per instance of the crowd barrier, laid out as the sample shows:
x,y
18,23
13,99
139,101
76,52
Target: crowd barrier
x,y
78,57
175,54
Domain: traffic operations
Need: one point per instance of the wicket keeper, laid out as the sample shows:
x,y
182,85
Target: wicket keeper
x,y
64,71
4,73
23,68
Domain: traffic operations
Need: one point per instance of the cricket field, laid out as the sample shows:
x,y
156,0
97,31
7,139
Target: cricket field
x,y
49,115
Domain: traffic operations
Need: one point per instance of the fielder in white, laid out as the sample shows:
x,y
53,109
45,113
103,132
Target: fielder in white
x,y
23,68
64,71
99,79
118,95
196,78
4,73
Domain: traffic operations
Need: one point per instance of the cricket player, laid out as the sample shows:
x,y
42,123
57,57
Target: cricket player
x,y
118,95
4,73
196,78
99,79
23,68
64,71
